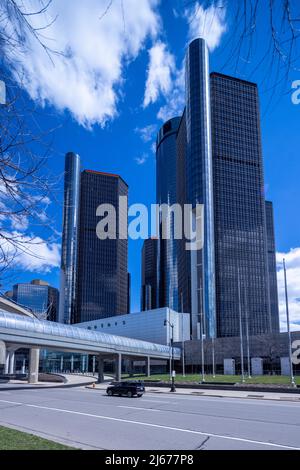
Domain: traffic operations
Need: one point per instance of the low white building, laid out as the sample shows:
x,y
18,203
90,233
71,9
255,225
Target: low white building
x,y
152,325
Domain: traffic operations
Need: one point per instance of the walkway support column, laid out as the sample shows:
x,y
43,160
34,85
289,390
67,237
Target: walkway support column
x,y
6,368
34,358
148,368
11,362
131,368
100,369
119,367
2,355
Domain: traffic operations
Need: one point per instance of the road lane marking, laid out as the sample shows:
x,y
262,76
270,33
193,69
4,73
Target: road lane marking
x,y
156,401
158,426
136,408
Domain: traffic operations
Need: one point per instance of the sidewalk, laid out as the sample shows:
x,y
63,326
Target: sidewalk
x,y
72,380
214,393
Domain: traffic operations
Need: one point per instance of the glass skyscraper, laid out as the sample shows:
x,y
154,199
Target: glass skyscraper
x,y
200,183
150,258
102,272
219,164
41,298
240,216
166,193
69,238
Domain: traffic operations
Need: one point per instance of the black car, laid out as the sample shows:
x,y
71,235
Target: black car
x,y
130,389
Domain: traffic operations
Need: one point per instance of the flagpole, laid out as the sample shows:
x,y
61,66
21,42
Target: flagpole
x,y
288,326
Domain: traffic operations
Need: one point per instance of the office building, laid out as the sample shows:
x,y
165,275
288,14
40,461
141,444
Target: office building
x,y
272,268
39,297
166,193
102,269
150,267
240,216
200,184
69,239
219,164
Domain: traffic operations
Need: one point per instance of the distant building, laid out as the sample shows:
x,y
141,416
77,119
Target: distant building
x,y
166,193
39,297
102,270
272,268
128,293
150,267
9,294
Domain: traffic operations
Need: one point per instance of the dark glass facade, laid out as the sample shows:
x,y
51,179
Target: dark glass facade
x,y
240,217
166,193
272,268
69,238
219,164
41,298
184,261
149,290
102,279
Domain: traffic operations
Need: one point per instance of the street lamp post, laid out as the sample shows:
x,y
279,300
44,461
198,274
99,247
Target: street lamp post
x,y
247,336
241,329
182,337
213,358
288,326
167,322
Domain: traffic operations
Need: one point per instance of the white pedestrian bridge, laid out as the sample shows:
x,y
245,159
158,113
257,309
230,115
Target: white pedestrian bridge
x,y
18,331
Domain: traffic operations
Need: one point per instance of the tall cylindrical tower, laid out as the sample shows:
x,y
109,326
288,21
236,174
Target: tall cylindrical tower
x,y
69,238
200,182
166,193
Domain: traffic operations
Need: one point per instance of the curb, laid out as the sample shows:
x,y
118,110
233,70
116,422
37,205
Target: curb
x,y
249,397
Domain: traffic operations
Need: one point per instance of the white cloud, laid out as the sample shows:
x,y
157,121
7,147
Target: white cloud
x,y
142,160
31,253
19,222
176,98
209,24
160,70
148,133
293,280
86,78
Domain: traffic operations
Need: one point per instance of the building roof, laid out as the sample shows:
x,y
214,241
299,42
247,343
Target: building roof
x,y
103,173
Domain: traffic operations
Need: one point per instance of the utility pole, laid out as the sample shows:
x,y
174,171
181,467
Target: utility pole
x,y
288,327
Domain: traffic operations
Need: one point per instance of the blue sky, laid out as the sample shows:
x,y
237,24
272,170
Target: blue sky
x,y
120,76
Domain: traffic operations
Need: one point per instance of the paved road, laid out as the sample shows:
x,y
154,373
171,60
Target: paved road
x,y
88,419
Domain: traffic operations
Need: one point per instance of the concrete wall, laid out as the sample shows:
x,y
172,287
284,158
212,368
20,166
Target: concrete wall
x,y
270,348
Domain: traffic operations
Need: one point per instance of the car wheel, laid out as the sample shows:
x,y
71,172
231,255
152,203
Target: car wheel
x,y
109,393
129,394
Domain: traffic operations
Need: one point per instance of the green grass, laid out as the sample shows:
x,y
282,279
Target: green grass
x,y
10,439
266,379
